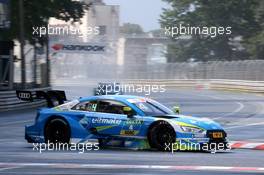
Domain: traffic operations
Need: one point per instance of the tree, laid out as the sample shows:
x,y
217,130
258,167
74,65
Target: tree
x,y
255,44
240,16
37,13
128,28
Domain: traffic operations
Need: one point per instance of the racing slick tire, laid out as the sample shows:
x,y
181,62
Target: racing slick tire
x,y
101,143
160,135
57,130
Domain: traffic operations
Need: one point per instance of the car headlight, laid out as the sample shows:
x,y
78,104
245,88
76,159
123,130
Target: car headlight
x,y
192,129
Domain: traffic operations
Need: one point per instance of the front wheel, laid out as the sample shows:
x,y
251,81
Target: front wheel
x,y
57,130
161,135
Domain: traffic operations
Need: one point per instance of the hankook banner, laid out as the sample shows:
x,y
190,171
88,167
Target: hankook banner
x,y
90,48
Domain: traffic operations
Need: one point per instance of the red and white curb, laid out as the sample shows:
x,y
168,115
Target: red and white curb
x,y
8,166
247,145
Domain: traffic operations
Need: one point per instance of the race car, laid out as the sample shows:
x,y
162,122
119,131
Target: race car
x,y
121,121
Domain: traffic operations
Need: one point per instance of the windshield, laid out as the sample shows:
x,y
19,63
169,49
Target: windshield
x,y
67,106
153,108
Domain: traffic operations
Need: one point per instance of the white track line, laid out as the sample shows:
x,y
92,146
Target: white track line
x,y
14,123
241,106
242,126
124,166
9,168
242,122
239,124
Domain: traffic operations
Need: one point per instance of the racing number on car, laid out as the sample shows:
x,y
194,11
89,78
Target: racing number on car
x,y
93,106
217,135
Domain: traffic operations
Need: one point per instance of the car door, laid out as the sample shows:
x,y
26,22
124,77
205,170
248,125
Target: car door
x,y
101,117
111,119
132,126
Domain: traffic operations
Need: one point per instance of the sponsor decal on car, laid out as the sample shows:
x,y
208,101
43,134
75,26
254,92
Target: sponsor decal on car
x,y
134,122
129,132
106,121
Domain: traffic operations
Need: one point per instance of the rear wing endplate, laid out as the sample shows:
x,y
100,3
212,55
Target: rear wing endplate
x,y
52,97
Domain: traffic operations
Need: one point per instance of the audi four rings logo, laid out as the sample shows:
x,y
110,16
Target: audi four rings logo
x,y
24,95
72,47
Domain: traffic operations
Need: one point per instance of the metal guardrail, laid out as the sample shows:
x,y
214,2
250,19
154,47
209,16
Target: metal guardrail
x,y
218,84
233,70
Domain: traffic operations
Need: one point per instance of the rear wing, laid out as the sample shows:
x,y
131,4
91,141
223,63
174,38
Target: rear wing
x,y
52,97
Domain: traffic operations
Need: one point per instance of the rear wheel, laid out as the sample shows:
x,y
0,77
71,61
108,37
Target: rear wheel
x,y
161,135
101,143
57,130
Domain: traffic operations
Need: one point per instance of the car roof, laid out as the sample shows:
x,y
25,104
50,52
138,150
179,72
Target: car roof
x,y
110,97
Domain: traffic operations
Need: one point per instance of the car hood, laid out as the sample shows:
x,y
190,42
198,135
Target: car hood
x,y
184,120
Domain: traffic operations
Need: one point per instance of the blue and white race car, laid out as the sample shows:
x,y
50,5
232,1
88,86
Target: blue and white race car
x,y
122,121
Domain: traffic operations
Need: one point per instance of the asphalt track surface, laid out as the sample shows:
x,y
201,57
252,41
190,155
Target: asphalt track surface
x,y
241,114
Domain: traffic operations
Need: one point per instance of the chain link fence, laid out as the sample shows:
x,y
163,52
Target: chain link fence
x,y
233,70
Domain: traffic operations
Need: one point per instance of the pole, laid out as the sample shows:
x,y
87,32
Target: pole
x,y
35,66
22,44
11,69
47,57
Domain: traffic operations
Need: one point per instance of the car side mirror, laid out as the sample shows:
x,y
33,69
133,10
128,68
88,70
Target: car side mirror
x,y
176,109
128,111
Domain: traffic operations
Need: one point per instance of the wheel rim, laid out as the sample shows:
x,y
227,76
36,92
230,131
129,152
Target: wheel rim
x,y
163,136
57,132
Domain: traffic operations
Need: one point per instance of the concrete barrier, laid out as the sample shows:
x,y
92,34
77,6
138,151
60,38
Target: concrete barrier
x,y
9,101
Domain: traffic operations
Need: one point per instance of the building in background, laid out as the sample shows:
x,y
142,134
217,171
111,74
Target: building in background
x,y
143,50
99,27
6,49
4,14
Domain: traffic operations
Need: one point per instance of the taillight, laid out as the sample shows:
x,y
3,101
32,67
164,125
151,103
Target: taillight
x,y
37,117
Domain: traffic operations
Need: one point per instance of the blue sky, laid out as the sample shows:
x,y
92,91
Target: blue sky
x,y
143,12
